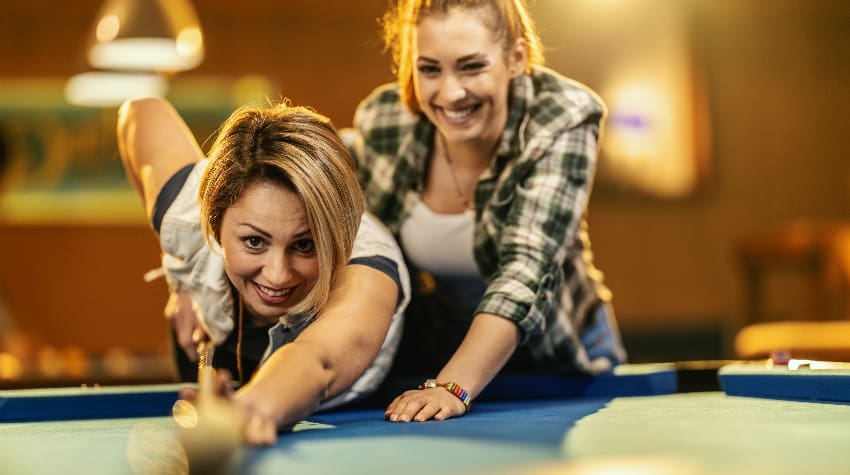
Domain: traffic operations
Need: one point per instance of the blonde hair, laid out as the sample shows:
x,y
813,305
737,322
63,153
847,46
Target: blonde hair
x,y
508,20
298,149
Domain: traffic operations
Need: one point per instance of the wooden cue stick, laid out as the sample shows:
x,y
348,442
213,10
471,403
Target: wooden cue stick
x,y
206,372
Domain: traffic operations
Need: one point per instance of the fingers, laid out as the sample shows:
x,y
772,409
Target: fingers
x,y
256,428
179,311
224,383
188,393
422,405
259,427
222,386
259,430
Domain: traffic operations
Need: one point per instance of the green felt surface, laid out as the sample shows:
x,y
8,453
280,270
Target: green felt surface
x,y
102,446
367,445
711,433
684,434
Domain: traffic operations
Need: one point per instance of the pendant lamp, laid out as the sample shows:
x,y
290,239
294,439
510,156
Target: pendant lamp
x,y
134,46
146,35
111,88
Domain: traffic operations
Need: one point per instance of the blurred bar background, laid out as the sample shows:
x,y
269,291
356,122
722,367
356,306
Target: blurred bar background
x,y
722,198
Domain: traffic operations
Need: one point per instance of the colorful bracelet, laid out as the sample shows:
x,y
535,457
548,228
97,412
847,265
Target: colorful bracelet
x,y
450,387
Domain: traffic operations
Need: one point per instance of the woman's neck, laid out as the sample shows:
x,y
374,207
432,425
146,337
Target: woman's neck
x,y
468,154
453,174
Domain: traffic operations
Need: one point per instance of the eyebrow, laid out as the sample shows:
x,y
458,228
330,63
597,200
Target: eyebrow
x,y
462,59
268,235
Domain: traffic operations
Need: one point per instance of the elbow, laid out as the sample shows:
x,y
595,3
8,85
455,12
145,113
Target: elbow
x,y
128,115
131,109
340,372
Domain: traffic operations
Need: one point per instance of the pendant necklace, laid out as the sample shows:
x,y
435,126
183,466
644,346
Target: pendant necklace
x,y
458,189
239,345
294,325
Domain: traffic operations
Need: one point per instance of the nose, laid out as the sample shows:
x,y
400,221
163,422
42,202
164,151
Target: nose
x,y
278,269
452,89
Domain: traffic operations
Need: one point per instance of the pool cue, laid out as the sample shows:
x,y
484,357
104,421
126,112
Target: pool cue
x,y
206,371
210,446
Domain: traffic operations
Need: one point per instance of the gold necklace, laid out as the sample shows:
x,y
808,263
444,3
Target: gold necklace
x,y
239,345
460,194
296,324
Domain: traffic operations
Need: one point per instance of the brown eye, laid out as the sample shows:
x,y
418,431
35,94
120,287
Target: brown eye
x,y
253,242
428,69
304,246
473,67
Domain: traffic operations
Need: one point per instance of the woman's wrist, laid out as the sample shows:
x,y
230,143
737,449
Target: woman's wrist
x,y
451,387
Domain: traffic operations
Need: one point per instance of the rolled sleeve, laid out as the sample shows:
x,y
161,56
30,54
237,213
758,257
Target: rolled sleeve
x,y
540,226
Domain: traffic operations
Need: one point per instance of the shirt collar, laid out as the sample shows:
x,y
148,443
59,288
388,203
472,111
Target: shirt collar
x,y
521,94
414,150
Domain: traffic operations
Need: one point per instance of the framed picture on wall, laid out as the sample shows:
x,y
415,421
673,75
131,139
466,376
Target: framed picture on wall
x,y
60,162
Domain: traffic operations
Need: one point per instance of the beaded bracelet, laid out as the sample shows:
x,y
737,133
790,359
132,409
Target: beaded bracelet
x,y
451,387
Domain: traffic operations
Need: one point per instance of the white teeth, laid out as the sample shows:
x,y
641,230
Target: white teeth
x,y
458,114
272,292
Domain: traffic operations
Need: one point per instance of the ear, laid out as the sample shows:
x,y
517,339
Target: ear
x,y
518,58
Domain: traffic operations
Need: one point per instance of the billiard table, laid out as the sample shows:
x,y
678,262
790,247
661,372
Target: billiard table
x,y
634,421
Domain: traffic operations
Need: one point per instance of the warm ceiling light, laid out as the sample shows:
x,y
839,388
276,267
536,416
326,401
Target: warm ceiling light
x,y
110,89
147,35
107,28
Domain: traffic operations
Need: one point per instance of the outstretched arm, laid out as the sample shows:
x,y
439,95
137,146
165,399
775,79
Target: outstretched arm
x,y
542,220
325,359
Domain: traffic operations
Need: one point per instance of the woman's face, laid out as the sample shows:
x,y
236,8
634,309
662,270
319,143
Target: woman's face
x,y
268,248
461,76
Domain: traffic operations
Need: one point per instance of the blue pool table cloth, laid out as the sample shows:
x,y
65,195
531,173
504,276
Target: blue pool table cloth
x,y
657,432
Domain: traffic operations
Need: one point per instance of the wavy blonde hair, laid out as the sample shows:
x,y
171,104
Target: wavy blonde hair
x,y
508,20
298,149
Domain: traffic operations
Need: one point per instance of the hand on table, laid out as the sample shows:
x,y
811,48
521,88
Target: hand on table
x,y
421,405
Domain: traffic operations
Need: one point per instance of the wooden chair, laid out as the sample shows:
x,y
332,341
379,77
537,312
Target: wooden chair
x,y
818,340
822,252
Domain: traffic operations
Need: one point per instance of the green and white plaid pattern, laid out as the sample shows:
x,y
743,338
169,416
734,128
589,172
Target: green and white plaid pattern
x,y
531,243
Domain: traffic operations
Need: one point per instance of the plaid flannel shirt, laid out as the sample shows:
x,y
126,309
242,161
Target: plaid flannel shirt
x,y
531,242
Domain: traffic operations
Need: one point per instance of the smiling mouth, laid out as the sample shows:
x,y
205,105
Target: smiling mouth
x,y
460,114
272,296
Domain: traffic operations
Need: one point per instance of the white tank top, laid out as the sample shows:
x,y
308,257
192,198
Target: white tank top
x,y
439,243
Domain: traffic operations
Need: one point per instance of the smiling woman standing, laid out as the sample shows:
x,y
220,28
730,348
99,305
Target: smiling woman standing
x,y
266,248
481,161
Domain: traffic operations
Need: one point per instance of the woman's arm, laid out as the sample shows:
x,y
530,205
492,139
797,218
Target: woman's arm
x,y
487,346
541,222
325,359
154,143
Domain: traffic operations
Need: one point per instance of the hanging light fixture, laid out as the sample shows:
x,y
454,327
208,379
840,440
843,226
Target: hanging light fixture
x,y
146,35
134,46
111,88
